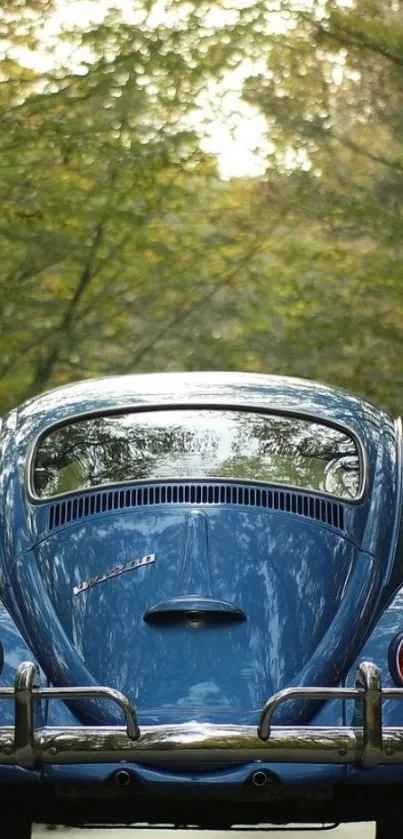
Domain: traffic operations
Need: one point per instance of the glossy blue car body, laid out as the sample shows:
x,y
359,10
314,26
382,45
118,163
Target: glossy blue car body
x,y
278,587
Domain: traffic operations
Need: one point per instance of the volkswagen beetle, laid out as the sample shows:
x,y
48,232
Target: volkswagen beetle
x,y
201,615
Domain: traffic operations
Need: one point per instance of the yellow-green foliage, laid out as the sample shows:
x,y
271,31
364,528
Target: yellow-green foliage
x,y
122,250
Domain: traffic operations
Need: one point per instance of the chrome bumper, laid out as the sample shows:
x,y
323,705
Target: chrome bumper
x,y
370,745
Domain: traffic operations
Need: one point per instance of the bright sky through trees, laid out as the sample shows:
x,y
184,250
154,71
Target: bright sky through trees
x,y
234,131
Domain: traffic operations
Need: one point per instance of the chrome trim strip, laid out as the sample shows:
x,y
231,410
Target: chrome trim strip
x,y
398,500
367,746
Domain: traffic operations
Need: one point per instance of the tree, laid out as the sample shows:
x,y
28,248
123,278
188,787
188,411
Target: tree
x,y
122,250
332,97
103,183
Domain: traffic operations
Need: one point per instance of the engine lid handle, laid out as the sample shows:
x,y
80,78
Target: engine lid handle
x,y
191,608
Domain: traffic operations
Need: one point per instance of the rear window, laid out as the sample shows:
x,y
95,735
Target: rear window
x,y
194,443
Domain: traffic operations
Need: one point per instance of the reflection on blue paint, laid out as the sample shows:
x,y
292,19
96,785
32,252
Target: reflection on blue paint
x,y
311,593
289,577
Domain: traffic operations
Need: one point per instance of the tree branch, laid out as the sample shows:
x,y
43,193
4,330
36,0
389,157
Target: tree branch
x,y
46,366
376,158
346,36
187,311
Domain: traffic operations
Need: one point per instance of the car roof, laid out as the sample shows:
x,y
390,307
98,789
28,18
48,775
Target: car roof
x,y
247,390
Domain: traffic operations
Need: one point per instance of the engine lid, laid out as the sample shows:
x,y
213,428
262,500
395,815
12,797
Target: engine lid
x,y
196,613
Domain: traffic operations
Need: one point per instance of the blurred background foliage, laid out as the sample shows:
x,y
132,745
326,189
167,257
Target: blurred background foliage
x,y
122,249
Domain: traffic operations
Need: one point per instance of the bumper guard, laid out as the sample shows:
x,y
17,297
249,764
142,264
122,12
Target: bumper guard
x,y
367,746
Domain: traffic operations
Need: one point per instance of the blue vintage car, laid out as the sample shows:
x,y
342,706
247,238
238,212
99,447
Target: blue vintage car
x,y
201,612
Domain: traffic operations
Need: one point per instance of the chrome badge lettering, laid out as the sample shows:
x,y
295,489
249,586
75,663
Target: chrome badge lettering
x,y
114,572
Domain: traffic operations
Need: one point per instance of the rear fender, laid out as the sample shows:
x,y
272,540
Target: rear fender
x,y
376,649
15,652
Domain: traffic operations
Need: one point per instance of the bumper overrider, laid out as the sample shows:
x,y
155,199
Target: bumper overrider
x,y
369,745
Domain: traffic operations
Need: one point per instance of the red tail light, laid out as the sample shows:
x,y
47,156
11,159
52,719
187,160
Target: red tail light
x,y
396,658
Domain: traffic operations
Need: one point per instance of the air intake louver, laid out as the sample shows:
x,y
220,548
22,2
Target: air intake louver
x,y
84,506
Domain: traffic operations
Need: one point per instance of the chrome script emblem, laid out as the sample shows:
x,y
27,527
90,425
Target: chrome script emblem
x,y
114,572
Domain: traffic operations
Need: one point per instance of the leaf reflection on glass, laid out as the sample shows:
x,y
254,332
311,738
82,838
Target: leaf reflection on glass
x,y
196,443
